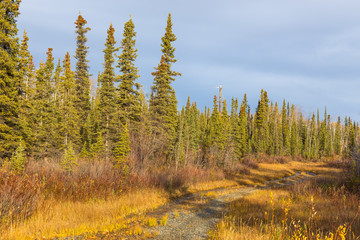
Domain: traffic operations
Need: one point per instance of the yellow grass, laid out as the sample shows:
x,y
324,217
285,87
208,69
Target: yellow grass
x,y
203,186
61,219
283,213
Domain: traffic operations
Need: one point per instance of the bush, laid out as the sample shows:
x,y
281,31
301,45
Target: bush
x,y
19,196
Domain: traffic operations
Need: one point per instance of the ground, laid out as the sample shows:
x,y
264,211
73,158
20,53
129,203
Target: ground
x,y
194,215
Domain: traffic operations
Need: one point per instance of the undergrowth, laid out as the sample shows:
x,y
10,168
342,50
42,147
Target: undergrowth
x,y
318,209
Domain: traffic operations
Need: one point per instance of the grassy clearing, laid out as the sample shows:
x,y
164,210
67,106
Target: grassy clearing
x,y
317,209
60,219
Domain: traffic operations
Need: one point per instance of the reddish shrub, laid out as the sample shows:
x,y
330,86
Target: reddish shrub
x,y
19,196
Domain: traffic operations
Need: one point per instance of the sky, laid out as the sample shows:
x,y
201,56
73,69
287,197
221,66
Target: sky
x,y
307,52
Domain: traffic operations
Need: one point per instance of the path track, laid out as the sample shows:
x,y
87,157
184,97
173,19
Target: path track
x,y
194,215
202,214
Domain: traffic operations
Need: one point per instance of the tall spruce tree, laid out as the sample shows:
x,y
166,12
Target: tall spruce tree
x,y
337,140
234,120
107,98
285,129
42,116
163,102
70,129
10,82
27,75
242,135
82,76
26,70
261,120
128,89
216,130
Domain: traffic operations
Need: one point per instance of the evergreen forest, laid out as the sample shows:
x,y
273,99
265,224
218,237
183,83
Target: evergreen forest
x,y
71,143
47,111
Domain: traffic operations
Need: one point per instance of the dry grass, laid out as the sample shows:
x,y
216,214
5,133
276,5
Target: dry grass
x,y
317,209
60,219
270,171
203,186
101,197
94,198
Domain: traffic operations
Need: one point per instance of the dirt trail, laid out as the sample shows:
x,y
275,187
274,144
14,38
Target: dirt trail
x,y
194,217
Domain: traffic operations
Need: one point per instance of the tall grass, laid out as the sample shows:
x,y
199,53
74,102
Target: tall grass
x,y
21,195
318,209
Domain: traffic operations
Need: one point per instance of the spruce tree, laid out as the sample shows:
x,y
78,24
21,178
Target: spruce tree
x,y
285,129
163,102
261,121
70,129
26,70
122,148
69,159
216,130
42,116
242,135
128,89
294,139
234,120
337,140
18,159
57,98
314,145
182,140
10,83
81,74
97,148
194,124
225,137
278,142
27,74
107,98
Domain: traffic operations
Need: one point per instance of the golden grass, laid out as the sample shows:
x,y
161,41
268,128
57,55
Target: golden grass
x,y
265,172
151,222
163,220
318,206
59,219
203,186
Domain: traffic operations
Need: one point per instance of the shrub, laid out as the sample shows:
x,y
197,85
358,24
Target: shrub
x,y
20,196
18,159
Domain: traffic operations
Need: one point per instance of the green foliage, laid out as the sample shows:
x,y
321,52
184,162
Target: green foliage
x,y
163,102
128,89
10,82
216,130
50,109
285,129
18,159
27,74
106,106
242,135
69,117
82,81
122,148
261,123
97,149
69,159
43,119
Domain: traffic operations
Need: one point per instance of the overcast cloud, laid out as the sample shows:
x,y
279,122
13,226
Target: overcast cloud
x,y
307,52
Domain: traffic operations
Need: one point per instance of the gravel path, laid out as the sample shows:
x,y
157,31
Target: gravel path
x,y
202,212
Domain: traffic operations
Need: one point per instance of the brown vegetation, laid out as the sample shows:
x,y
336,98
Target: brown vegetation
x,y
319,209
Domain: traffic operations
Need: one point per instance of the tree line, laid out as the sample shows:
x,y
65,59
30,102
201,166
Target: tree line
x,y
48,111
